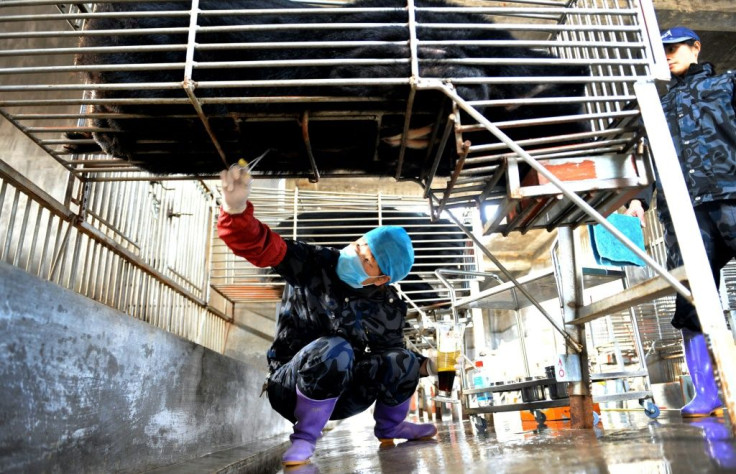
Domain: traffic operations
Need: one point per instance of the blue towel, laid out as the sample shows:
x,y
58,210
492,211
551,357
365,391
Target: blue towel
x,y
608,250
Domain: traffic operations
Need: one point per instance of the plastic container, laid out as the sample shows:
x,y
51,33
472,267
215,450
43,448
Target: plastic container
x,y
449,346
481,380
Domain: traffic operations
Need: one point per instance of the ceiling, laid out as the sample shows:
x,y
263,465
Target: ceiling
x,y
714,21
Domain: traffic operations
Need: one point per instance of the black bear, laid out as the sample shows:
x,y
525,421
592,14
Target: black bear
x,y
344,91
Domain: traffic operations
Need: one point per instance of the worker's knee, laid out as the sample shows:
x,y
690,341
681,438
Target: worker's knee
x,y
326,368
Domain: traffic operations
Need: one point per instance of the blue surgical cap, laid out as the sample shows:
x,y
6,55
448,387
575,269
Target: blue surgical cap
x,y
679,34
392,249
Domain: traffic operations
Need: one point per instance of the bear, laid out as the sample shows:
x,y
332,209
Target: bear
x,y
345,101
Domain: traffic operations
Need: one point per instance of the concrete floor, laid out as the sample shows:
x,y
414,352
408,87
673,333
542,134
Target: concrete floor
x,y
625,442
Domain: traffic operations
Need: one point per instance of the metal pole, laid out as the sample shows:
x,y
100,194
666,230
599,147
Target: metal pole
x,y
571,298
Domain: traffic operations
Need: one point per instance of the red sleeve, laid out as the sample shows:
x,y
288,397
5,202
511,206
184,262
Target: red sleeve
x,y
250,238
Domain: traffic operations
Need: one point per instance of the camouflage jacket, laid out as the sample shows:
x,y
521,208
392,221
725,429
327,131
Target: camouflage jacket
x,y
317,303
699,107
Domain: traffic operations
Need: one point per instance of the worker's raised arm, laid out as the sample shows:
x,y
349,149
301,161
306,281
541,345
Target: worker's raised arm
x,y
245,235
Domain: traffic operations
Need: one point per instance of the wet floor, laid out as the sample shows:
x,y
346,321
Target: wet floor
x,y
625,442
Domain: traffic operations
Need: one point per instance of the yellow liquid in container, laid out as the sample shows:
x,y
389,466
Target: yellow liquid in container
x,y
446,361
446,369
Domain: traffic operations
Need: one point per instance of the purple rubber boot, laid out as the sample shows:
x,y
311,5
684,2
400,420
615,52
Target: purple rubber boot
x,y
311,417
706,401
390,424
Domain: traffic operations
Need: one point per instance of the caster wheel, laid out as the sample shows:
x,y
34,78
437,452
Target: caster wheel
x,y
480,424
539,416
651,410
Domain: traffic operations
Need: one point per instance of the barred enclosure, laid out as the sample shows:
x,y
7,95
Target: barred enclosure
x,y
141,248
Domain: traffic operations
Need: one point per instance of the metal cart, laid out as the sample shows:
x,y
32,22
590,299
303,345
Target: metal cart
x,y
543,286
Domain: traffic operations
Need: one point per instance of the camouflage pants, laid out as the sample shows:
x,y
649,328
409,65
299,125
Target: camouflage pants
x,y
717,222
327,368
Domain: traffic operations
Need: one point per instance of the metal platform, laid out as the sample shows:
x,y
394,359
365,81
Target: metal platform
x,y
542,285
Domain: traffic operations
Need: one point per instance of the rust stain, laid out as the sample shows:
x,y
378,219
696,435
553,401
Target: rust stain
x,y
570,171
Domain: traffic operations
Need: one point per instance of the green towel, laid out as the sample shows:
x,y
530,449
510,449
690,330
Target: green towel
x,y
608,250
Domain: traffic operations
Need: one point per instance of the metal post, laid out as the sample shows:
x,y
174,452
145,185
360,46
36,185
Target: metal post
x,y
571,298
702,286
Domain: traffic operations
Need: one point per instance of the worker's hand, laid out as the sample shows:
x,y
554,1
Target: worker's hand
x,y
236,182
429,367
637,210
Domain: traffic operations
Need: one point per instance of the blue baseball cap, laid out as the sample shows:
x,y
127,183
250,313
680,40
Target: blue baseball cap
x,y
392,249
678,34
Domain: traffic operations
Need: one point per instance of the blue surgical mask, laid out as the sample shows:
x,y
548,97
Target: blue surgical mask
x,y
350,269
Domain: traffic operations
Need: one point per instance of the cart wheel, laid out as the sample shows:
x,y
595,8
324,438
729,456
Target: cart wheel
x,y
596,418
480,424
539,416
651,410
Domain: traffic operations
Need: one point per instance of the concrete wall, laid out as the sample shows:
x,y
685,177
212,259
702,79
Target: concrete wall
x,y
252,330
88,389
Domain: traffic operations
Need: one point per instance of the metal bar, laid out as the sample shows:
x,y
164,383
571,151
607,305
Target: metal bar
x,y
308,144
560,185
573,344
290,83
452,121
618,375
571,296
455,174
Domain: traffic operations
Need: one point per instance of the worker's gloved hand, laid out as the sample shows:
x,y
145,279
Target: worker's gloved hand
x,y
236,183
429,367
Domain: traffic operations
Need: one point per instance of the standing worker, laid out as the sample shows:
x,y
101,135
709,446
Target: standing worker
x,y
699,106
339,344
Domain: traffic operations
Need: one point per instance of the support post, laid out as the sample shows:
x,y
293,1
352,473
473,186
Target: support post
x,y
702,286
571,298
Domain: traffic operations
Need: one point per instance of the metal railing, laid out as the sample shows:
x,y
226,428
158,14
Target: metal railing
x,y
122,244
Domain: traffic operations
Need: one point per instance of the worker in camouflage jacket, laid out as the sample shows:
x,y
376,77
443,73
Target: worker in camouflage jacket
x,y
339,344
700,110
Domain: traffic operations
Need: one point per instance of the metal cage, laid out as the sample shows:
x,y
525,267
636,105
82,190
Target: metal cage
x,y
441,93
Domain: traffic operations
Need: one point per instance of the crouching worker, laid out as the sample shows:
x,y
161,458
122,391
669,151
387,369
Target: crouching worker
x,y
339,344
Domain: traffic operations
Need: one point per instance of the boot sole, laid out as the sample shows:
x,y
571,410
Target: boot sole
x,y
391,440
716,412
294,463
